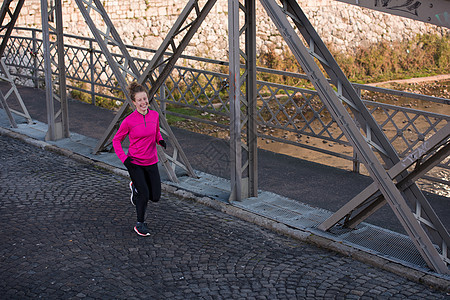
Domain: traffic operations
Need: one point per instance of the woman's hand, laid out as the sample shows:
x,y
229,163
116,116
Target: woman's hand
x,y
163,144
128,162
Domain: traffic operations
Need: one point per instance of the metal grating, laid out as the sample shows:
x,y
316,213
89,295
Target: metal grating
x,y
390,244
367,237
286,211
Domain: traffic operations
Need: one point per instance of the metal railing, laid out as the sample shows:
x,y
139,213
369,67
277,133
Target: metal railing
x,y
285,114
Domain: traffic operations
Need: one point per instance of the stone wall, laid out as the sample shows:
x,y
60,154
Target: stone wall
x,y
145,23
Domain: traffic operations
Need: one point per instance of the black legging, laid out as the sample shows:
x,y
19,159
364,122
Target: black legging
x,y
147,182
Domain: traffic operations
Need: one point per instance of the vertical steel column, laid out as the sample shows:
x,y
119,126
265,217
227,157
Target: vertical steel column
x,y
51,132
60,129
242,93
35,60
252,131
61,70
92,73
235,100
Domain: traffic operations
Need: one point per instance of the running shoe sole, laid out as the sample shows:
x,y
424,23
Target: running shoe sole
x,y
141,234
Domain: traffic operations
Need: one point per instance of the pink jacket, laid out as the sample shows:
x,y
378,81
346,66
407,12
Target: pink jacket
x,y
143,133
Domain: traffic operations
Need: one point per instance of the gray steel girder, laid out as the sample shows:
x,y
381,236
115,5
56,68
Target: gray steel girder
x,y
424,157
243,135
435,12
363,144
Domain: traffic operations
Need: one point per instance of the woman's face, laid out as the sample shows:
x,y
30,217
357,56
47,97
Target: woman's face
x,y
141,102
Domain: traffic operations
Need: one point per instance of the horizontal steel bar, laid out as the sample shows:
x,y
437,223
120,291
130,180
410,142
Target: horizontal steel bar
x,y
406,109
224,126
401,93
261,69
337,154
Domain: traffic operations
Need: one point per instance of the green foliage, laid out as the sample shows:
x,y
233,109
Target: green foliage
x,y
107,103
171,119
99,101
424,55
79,95
82,96
285,62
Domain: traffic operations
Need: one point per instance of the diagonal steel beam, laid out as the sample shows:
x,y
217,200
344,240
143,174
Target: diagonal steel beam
x,y
334,101
104,39
6,76
4,73
129,70
7,110
366,206
179,27
373,134
439,143
6,10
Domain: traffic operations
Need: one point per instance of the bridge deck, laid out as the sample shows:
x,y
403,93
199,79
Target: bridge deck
x,y
294,192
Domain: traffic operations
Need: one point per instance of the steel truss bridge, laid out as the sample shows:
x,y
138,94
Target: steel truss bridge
x,y
394,173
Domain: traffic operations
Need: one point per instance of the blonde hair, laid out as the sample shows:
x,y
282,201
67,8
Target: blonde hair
x,y
135,88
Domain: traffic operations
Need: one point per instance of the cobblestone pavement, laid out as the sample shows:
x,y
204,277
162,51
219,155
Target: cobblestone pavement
x,y
66,232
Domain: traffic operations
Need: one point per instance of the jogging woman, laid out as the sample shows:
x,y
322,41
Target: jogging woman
x,y
142,128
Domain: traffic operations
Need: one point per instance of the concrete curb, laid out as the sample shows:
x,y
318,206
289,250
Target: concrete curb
x,y
427,278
